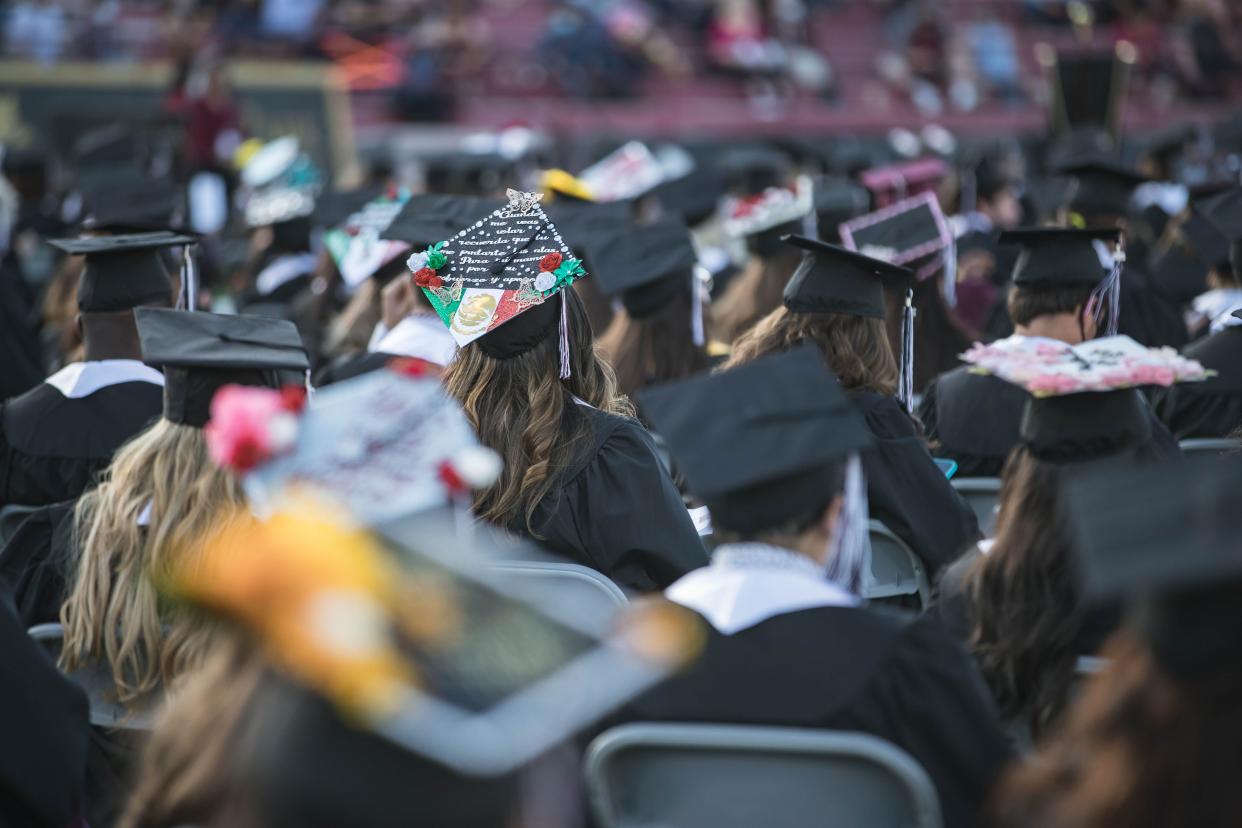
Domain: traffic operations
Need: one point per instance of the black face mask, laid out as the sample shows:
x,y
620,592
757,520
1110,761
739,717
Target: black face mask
x,y
1179,274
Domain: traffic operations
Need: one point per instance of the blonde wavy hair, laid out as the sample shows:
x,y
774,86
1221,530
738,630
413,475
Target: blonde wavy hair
x,y
113,613
856,348
521,409
754,293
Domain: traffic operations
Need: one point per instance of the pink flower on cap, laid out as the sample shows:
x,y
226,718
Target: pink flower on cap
x,y
249,426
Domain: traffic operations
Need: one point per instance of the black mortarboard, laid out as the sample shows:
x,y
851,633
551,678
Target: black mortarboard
x,y
695,196
646,265
1167,536
333,208
749,170
1055,256
1205,238
122,272
832,279
494,279
467,173
836,202
200,352
428,218
907,232
128,201
1086,426
1224,211
759,443
1105,185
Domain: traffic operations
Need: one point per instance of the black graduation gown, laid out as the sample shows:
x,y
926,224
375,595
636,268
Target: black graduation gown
x,y
1212,408
20,348
44,725
52,446
36,563
1147,315
906,491
893,675
975,419
617,511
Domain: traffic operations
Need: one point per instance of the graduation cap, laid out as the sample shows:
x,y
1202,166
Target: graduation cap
x,y
759,443
128,201
1084,403
447,659
335,207
427,218
201,352
627,172
1056,256
281,183
1104,185
1167,538
123,272
1088,89
357,246
109,146
694,196
467,173
750,170
833,279
1224,212
904,233
645,265
897,182
498,280
836,202
770,209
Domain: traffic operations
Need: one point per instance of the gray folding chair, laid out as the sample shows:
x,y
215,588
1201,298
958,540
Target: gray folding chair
x,y
96,682
895,569
982,493
576,590
1223,445
740,776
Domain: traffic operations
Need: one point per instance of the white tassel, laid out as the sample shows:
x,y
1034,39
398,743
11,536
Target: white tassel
x,y
1108,296
696,308
564,340
905,389
950,274
849,564
189,279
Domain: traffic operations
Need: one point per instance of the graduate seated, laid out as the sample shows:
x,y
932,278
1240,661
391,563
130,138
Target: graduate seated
x,y
772,448
835,301
55,438
581,476
1154,738
1060,292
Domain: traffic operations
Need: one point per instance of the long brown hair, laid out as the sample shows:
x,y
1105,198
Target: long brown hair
x,y
1140,749
653,349
521,409
113,613
856,348
1025,599
754,293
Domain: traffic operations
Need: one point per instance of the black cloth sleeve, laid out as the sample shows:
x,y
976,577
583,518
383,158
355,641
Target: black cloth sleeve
x,y
909,494
44,719
35,563
632,521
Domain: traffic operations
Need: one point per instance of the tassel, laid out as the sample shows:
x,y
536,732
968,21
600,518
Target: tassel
x,y
1108,296
949,287
696,308
905,389
564,343
189,280
849,565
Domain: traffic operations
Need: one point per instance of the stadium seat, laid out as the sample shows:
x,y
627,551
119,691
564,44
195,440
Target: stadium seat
x,y
1223,445
982,493
96,682
569,587
739,776
895,569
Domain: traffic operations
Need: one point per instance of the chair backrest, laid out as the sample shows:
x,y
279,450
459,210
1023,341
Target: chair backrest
x,y
895,569
982,494
741,776
96,682
11,518
1222,445
577,589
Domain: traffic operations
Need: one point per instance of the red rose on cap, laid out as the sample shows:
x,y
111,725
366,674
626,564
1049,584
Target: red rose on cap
x,y
550,262
427,278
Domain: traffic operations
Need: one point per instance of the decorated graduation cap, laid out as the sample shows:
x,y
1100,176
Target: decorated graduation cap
x,y
759,443
499,279
281,183
123,272
894,183
357,244
382,446
412,638
1224,212
627,172
127,201
201,352
1105,185
1084,400
770,209
1058,256
1166,537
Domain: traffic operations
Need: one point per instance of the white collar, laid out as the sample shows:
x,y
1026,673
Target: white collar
x,y
283,269
1218,306
420,335
748,583
81,379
